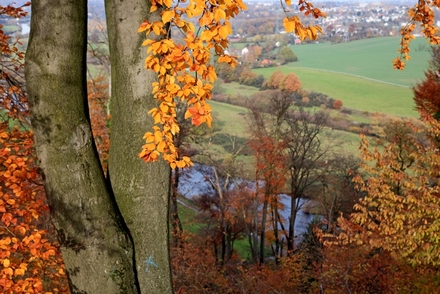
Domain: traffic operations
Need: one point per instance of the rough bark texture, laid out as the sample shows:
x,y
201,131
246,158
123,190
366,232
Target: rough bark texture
x,y
141,189
96,251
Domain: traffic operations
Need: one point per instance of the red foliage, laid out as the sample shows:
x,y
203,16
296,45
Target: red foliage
x,y
98,99
29,253
427,95
337,104
270,160
195,270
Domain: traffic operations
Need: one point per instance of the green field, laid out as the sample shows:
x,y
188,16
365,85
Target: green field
x,y
369,58
354,92
360,73
231,118
235,88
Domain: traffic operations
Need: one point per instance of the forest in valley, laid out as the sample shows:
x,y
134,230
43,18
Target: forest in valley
x,y
188,170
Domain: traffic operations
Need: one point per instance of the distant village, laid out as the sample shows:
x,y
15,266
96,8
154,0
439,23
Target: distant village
x,y
345,21
261,23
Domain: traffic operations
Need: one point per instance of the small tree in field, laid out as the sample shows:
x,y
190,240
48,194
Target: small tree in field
x,y
337,104
287,54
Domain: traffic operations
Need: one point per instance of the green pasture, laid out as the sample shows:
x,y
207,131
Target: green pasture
x,y
359,93
354,92
235,88
360,73
345,143
369,58
231,118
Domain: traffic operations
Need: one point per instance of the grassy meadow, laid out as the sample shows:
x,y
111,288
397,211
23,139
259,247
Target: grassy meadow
x,y
369,58
360,73
354,92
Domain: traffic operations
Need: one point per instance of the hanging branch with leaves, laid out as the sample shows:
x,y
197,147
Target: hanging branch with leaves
x,y
421,13
184,69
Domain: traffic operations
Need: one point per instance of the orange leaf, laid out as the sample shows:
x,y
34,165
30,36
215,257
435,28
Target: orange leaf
x,y
168,15
19,272
6,262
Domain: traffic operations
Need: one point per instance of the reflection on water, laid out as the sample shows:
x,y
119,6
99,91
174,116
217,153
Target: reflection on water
x,y
193,183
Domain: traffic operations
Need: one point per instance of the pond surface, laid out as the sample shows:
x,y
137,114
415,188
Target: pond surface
x,y
193,183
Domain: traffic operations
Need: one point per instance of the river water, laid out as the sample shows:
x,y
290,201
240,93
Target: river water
x,y
193,183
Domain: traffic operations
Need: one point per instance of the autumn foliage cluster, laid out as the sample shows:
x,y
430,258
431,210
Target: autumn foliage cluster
x,y
30,256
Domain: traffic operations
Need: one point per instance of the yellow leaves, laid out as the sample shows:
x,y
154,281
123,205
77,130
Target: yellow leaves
x,y
199,113
219,13
19,272
421,13
398,64
171,62
144,26
293,24
167,15
207,35
289,24
47,254
227,59
147,27
206,19
224,31
6,262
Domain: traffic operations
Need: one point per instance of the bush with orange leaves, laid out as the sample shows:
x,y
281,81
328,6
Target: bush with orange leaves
x,y
30,256
195,270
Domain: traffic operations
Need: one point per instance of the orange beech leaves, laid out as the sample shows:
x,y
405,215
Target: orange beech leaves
x,y
294,24
184,69
98,99
422,13
29,255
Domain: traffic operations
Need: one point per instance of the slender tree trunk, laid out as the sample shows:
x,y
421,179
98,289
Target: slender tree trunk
x,y
274,208
229,242
174,211
255,210
295,206
263,227
223,252
95,248
141,190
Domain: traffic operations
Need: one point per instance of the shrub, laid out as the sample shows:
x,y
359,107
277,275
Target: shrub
x,y
337,104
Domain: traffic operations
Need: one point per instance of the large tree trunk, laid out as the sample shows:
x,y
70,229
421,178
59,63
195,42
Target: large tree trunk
x,y
141,190
95,248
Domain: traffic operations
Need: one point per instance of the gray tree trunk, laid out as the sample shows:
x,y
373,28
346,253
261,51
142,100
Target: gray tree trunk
x,y
96,250
141,190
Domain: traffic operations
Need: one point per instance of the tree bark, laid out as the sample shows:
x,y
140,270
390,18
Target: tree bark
x,y
141,190
94,245
174,211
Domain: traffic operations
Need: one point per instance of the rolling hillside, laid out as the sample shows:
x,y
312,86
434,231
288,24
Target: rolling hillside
x,y
360,73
